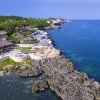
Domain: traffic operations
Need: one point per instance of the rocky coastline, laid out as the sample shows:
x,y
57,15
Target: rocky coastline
x,y
66,81
39,85
62,77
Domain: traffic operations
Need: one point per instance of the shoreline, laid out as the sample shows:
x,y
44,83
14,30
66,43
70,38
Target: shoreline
x,y
64,79
48,66
59,77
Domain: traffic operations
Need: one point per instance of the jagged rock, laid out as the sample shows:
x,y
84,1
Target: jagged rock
x,y
67,82
7,70
69,85
24,71
29,71
39,85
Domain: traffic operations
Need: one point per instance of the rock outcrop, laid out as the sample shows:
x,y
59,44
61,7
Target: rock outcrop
x,y
7,70
29,71
39,85
66,81
24,71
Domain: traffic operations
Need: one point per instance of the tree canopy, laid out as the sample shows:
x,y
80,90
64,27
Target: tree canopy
x,y
24,26
10,23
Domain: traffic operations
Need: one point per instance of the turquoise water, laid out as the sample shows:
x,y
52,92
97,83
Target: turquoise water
x,y
80,41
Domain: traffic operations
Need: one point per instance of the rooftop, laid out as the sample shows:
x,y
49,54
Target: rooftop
x,y
5,44
3,32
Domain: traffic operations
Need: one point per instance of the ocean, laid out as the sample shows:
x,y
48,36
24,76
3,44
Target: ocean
x,y
80,41
12,87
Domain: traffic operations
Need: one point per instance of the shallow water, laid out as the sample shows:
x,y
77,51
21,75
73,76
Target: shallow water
x,y
80,41
13,87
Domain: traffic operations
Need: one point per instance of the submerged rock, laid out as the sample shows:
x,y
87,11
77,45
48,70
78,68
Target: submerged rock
x,y
39,85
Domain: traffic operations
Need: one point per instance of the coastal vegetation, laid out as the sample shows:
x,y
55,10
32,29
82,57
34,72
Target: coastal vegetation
x,y
14,38
25,49
62,77
15,22
11,63
14,25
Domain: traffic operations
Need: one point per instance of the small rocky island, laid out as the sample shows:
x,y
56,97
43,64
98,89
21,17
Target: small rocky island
x,y
39,85
43,58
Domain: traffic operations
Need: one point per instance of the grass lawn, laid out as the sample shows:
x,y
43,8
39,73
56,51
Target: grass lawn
x,y
25,49
11,63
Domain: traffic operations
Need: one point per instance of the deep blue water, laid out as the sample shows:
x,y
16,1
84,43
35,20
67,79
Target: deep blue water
x,y
80,41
